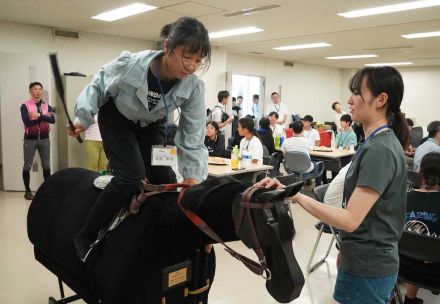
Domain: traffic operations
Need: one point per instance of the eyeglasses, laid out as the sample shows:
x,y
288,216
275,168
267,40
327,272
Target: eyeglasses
x,y
190,64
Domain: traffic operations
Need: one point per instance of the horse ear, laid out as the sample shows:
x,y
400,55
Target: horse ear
x,y
293,189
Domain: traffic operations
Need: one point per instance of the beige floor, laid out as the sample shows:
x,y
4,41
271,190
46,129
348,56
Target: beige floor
x,y
25,281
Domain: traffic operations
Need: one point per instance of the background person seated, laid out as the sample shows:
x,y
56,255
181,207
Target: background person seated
x,y
214,141
334,194
311,134
346,137
298,142
251,141
266,135
423,209
432,144
275,128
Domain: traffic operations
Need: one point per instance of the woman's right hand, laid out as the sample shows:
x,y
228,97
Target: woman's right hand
x,y
77,130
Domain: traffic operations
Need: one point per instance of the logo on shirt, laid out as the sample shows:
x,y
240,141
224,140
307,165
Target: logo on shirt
x,y
153,99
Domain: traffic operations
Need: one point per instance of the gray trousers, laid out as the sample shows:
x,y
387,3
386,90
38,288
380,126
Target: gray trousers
x,y
29,148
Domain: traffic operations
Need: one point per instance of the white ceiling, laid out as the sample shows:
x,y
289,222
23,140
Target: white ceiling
x,y
295,22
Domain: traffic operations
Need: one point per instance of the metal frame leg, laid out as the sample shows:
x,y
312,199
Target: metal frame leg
x,y
322,260
63,299
399,294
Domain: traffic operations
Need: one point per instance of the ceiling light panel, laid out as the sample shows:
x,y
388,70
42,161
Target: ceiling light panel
x,y
390,8
421,35
351,57
389,64
123,12
302,46
235,32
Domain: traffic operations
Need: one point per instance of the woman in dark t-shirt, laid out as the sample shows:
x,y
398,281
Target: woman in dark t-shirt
x,y
423,215
214,141
372,217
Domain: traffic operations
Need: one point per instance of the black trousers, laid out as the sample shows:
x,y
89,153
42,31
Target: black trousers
x,y
128,148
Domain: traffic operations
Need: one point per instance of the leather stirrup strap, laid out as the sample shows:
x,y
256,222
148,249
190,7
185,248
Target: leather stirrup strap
x,y
257,268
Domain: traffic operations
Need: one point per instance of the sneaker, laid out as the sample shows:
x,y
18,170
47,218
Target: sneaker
x,y
28,195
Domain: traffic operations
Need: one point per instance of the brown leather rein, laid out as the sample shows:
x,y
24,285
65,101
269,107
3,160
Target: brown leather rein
x,y
260,267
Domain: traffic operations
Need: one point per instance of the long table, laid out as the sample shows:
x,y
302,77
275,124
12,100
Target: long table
x,y
334,160
249,174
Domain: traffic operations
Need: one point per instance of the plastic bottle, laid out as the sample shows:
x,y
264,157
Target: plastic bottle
x,y
352,144
246,158
277,141
235,155
333,141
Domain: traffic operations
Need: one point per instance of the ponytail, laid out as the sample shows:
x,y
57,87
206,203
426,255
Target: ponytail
x,y
400,127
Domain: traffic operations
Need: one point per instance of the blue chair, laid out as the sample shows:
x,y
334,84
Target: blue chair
x,y
299,162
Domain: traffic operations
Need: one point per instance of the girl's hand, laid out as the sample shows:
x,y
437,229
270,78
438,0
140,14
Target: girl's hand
x,y
76,132
269,183
190,181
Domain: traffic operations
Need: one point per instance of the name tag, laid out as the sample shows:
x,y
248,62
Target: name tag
x,y
164,156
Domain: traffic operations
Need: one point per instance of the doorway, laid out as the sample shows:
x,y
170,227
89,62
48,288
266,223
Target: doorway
x,y
247,86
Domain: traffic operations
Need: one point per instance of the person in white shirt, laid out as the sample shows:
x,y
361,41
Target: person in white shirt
x,y
275,128
250,142
336,106
311,134
334,194
298,142
96,159
219,114
256,108
277,106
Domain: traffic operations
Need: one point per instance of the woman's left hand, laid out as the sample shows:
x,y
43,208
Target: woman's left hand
x,y
269,183
190,181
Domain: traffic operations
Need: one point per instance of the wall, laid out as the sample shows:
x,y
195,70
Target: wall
x,y
421,100
305,89
29,46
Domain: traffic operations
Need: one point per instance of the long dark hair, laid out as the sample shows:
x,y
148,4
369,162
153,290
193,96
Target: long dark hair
x,y
248,123
386,80
190,33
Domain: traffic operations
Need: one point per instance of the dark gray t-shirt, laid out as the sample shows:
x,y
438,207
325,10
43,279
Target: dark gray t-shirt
x,y
371,250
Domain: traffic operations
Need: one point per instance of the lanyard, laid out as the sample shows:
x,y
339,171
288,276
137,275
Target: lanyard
x,y
247,147
166,108
361,146
344,138
275,107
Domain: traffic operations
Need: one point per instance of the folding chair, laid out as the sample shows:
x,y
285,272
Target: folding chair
x,y
422,248
319,193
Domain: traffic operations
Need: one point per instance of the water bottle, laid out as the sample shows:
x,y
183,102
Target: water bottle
x,y
281,140
352,144
333,141
246,158
277,141
235,155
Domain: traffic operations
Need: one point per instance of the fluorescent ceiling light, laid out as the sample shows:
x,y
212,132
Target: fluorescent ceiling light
x,y
351,56
389,63
235,32
302,46
421,35
390,8
125,11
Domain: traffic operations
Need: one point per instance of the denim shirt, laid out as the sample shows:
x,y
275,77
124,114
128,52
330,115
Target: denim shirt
x,y
125,80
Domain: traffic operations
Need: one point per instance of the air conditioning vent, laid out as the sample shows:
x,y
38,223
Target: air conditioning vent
x,y
252,10
65,34
289,64
256,53
390,48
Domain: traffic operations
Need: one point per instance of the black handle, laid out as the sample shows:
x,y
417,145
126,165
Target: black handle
x,y
60,90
